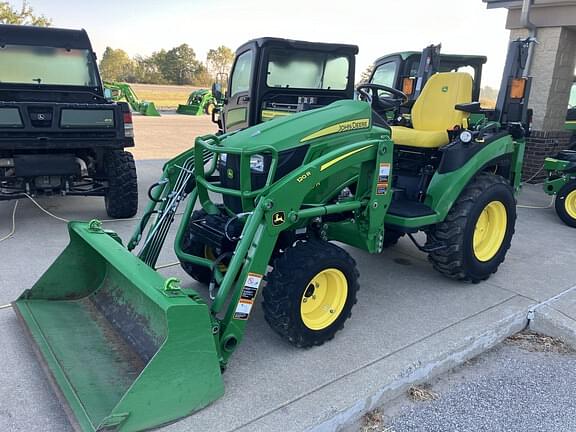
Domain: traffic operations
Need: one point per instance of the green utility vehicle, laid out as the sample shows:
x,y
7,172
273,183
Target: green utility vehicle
x,y
561,182
129,350
123,91
274,77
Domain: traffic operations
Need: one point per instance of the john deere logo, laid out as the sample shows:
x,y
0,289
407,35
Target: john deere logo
x,y
445,89
278,218
230,173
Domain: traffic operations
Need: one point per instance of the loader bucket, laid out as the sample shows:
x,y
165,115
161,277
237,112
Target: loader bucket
x,y
149,109
124,350
189,109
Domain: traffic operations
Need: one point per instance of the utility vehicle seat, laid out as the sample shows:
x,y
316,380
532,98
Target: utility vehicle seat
x,y
433,113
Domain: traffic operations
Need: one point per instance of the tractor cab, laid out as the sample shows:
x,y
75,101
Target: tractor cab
x,y
408,71
274,77
436,123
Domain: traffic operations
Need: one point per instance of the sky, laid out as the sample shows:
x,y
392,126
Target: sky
x,y
378,27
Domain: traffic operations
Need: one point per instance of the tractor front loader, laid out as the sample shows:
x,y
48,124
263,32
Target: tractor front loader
x,y
123,91
128,349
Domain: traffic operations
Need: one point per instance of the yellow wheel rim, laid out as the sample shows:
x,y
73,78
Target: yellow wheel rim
x,y
570,204
209,109
490,231
323,299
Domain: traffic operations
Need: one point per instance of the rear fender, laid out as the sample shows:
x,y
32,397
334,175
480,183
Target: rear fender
x,y
444,189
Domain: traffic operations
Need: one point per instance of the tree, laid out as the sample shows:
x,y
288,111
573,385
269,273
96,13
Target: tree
x,y
25,16
202,77
219,60
179,65
365,77
116,65
146,70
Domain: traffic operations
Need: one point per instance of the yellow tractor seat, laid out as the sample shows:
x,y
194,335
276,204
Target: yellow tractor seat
x,y
433,113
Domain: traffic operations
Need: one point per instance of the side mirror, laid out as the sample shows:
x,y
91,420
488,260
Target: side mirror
x,y
108,94
217,91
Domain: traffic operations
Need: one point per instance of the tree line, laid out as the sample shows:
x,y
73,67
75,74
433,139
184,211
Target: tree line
x,y
176,66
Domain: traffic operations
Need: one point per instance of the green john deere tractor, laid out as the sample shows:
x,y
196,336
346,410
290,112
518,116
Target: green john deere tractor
x,y
561,181
123,91
129,350
204,101
199,102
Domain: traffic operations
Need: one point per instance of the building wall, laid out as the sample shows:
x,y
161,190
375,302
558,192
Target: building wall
x,y
552,70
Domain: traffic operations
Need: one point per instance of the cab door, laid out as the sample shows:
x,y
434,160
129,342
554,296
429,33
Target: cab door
x,y
237,107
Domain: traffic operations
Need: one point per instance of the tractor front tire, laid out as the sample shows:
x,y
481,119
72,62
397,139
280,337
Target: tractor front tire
x,y
121,198
477,231
565,204
310,292
209,108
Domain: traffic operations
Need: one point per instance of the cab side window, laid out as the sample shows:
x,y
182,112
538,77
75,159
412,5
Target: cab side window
x,y
241,75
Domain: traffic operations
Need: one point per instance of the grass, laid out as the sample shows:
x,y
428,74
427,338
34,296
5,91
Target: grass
x,y
538,343
421,393
374,422
163,96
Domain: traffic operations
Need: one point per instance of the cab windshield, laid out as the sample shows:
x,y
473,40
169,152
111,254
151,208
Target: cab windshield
x,y
37,65
307,70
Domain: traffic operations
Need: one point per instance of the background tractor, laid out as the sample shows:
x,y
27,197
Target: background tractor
x,y
204,101
129,349
561,181
199,102
123,91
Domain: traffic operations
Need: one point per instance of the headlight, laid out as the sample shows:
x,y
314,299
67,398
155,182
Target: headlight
x,y
257,163
223,157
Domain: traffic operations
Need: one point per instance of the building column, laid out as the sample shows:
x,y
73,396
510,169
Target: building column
x,y
552,69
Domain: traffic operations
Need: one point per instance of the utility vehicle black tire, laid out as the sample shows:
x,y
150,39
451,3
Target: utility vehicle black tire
x,y
459,260
565,204
193,246
121,197
289,287
391,237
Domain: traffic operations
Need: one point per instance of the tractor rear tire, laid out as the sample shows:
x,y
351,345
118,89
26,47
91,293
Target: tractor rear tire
x,y
193,246
121,197
565,204
477,231
310,293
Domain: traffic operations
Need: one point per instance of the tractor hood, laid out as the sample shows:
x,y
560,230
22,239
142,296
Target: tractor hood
x,y
304,127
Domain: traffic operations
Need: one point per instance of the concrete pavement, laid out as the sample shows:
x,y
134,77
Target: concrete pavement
x,y
409,323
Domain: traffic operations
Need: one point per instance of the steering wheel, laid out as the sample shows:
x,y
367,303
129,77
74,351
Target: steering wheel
x,y
382,103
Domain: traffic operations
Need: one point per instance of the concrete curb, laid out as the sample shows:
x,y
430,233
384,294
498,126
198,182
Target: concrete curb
x,y
551,322
427,368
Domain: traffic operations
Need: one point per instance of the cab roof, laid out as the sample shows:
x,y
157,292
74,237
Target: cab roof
x,y
450,58
296,44
44,36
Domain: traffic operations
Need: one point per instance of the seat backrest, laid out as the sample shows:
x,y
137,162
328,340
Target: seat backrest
x,y
434,108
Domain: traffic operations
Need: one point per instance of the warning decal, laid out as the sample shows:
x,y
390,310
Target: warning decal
x,y
247,296
383,172
381,188
243,309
